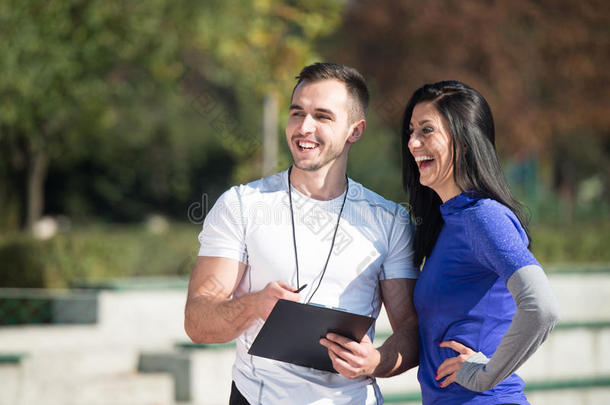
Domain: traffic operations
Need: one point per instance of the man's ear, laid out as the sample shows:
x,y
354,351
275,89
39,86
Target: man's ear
x,y
357,131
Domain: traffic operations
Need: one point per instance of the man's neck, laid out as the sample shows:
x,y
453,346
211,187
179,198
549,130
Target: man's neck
x,y
323,184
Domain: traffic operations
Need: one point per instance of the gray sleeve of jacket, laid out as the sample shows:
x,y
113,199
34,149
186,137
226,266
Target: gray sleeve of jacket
x,y
536,315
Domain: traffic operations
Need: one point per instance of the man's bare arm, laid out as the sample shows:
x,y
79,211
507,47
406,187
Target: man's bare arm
x,y
212,315
400,350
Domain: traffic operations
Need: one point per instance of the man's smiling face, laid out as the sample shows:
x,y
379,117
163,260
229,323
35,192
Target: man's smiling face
x,y
319,124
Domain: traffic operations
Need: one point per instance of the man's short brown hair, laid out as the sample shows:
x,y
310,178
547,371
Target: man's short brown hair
x,y
350,77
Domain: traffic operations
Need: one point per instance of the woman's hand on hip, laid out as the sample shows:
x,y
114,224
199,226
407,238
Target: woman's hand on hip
x,y
450,367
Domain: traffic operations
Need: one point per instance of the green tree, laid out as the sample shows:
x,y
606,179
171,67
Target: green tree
x,y
65,66
143,93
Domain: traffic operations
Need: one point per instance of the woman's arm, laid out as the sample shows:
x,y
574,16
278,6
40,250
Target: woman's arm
x,y
536,315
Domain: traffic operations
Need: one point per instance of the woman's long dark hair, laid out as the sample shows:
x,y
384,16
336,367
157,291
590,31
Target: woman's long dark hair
x,y
475,161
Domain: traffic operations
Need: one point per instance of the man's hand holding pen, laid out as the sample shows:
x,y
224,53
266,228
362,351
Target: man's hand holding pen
x,y
273,291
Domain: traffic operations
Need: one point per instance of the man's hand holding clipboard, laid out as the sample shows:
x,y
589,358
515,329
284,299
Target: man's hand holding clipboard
x,y
297,333
350,358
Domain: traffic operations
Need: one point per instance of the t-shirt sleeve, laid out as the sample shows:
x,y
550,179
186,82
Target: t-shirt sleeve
x,y
499,240
223,233
399,260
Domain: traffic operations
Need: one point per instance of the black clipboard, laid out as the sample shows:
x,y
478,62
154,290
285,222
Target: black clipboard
x,y
293,330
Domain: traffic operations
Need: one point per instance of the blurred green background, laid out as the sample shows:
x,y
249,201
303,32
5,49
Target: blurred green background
x,y
121,122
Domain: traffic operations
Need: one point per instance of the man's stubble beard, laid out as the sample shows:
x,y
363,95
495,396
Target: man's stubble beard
x,y
324,160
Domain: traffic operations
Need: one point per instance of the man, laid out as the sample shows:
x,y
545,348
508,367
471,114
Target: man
x,y
308,225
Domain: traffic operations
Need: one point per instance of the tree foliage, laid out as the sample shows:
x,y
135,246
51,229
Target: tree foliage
x,y
67,68
131,107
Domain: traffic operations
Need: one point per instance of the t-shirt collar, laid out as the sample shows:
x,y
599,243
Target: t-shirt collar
x,y
338,199
461,201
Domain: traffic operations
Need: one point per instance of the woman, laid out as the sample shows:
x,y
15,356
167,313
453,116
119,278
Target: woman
x,y
483,301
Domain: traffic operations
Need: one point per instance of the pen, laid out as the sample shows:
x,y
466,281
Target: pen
x,y
301,288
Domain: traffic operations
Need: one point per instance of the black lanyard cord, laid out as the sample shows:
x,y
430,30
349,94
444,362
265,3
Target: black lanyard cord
x,y
294,239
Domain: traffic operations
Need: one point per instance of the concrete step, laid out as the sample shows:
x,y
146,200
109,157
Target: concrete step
x,y
581,296
52,352
209,376
67,389
42,338
11,377
121,312
143,319
202,373
146,318
572,350
74,365
570,392
79,376
43,366
556,359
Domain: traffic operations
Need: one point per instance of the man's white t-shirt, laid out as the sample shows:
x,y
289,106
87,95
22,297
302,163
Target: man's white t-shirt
x,y
251,223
